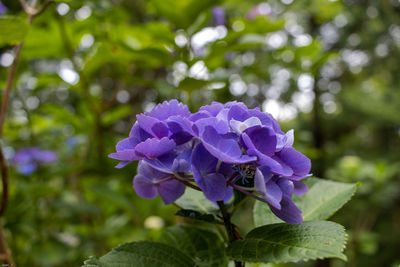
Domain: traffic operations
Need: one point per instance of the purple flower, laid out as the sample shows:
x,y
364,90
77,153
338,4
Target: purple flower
x,y
155,133
217,149
261,154
218,15
28,159
210,174
3,8
150,182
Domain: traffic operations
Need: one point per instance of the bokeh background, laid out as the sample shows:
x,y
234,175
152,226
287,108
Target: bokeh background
x,y
328,69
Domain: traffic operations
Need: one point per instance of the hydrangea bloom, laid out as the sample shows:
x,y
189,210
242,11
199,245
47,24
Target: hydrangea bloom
x,y
219,148
28,159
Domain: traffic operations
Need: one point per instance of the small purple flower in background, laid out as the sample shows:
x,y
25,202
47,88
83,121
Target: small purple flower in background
x,y
28,159
3,9
220,148
218,15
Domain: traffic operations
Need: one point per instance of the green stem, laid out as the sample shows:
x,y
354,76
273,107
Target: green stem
x,y
229,227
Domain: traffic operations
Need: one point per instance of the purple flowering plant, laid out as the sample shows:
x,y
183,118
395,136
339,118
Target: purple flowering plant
x,y
29,159
220,148
225,153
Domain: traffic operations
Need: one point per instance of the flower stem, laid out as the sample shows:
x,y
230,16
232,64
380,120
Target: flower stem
x,y
246,192
229,227
184,181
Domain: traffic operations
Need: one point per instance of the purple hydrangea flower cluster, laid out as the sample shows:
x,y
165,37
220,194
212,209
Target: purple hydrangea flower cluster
x,y
28,159
219,148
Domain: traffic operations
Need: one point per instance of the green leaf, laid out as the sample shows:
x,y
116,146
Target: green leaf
x,y
205,247
322,200
12,30
116,114
182,13
290,242
144,253
195,215
190,84
195,200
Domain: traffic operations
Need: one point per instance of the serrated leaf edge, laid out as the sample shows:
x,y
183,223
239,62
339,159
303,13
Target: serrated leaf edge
x,y
344,257
352,194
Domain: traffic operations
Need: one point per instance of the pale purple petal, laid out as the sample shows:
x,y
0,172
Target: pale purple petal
x,y
199,115
266,119
125,155
262,138
220,126
288,212
214,186
181,129
300,164
276,166
286,169
267,187
203,161
225,149
138,135
144,187
171,190
273,194
285,140
151,173
153,126
122,164
228,194
238,112
204,172
168,109
163,163
124,144
299,188
212,109
286,186
240,126
153,148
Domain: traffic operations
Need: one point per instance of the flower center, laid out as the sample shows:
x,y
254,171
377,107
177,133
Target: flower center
x,y
245,177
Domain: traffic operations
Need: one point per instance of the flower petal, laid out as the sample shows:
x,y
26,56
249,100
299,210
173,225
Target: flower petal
x,y
144,187
267,187
286,186
225,149
212,109
171,190
285,140
299,188
152,126
238,126
220,126
204,172
300,164
288,212
125,155
153,148
214,186
262,138
168,109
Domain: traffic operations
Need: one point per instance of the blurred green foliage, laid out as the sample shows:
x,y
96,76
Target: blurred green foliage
x,y
328,69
